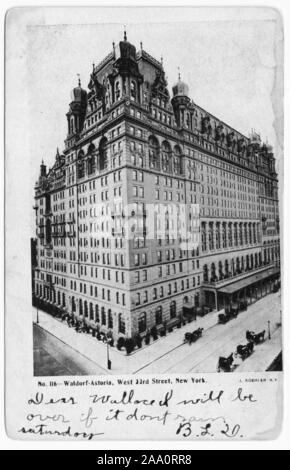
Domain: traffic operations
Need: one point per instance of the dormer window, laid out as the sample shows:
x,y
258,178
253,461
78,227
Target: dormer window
x,y
117,91
133,90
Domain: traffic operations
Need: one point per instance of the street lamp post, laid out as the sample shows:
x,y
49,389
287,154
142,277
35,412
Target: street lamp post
x,y
109,364
269,330
36,269
37,313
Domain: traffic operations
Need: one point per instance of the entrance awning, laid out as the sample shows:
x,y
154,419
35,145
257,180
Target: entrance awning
x,y
189,309
240,284
188,305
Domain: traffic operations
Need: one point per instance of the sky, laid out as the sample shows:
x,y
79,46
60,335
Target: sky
x,y
229,65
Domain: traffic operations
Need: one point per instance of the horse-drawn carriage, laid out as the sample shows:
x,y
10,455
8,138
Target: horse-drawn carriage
x,y
256,338
191,337
225,364
245,350
228,315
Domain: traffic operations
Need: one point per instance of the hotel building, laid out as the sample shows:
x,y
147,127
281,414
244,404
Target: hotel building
x,y
131,146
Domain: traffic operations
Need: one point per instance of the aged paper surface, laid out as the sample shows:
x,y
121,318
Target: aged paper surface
x,y
144,170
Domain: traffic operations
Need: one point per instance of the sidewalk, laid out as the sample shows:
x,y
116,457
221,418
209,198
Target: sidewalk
x,y
167,351
96,351
264,354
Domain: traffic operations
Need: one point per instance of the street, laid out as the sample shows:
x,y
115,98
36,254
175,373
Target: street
x,y
222,340
53,357
59,350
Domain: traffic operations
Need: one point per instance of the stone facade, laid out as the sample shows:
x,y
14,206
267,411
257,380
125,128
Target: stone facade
x,y
130,147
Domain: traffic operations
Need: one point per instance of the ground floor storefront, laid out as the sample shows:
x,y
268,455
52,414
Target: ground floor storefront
x,y
240,293
168,354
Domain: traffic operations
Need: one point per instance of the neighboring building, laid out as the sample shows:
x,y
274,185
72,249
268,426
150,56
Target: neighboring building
x,y
128,143
33,254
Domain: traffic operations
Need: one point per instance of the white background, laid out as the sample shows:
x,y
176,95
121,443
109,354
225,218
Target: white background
x,y
283,441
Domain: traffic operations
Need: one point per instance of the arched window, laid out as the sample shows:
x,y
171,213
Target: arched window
x,y
153,152
103,153
252,262
224,235
91,311
221,274
173,309
117,91
177,160
103,315
71,127
158,315
110,319
235,234
254,233
133,90
81,169
142,323
246,234
250,233
121,324
81,165
210,236
242,264
230,234
91,148
63,299
73,304
212,273
205,273
97,315
80,307
226,268
241,234
166,163
91,159
86,308
217,236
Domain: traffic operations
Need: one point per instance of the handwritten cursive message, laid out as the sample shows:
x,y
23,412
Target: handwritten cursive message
x,y
200,411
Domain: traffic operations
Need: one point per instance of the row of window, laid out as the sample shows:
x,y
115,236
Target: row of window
x,y
171,288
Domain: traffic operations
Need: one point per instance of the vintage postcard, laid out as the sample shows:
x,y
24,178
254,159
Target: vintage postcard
x,y
144,180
